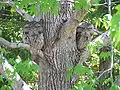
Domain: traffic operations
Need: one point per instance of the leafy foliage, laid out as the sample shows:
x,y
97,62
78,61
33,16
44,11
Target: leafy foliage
x,y
5,83
11,28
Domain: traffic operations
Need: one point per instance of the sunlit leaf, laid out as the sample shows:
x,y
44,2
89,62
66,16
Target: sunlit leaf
x,y
96,1
118,9
88,87
114,87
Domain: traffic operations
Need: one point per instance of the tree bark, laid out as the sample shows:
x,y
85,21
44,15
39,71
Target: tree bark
x,y
53,67
59,52
56,44
59,49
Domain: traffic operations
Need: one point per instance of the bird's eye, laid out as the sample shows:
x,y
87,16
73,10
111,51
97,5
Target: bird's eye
x,y
87,38
26,32
82,27
39,32
89,28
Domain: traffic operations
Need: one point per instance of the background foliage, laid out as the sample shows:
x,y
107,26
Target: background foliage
x,y
11,24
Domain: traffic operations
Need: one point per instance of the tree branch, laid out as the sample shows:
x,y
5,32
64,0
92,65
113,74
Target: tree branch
x,y
70,26
104,4
103,73
13,45
74,20
20,11
19,84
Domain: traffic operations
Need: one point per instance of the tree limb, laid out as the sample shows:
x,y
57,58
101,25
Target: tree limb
x,y
22,45
13,45
104,4
20,11
70,26
19,84
104,73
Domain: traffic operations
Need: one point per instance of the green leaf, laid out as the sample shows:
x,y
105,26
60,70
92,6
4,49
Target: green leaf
x,y
90,72
88,87
79,69
2,50
114,87
82,70
98,21
82,4
5,87
115,29
24,2
13,10
106,21
33,9
118,9
115,22
80,87
69,75
105,54
96,1
77,6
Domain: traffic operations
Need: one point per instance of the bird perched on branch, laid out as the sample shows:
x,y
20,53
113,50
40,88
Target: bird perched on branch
x,y
84,33
33,35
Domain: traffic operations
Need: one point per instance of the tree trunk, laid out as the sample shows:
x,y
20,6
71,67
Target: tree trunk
x,y
59,52
53,68
53,45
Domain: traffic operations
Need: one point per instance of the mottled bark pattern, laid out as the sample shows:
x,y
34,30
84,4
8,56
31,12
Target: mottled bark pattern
x,y
58,52
59,49
57,58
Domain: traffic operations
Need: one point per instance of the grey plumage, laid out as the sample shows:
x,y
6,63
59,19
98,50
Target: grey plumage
x,y
83,35
33,35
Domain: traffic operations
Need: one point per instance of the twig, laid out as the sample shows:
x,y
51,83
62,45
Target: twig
x,y
104,4
103,73
112,59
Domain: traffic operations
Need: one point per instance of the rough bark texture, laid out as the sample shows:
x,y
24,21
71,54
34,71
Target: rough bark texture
x,y
53,74
58,49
